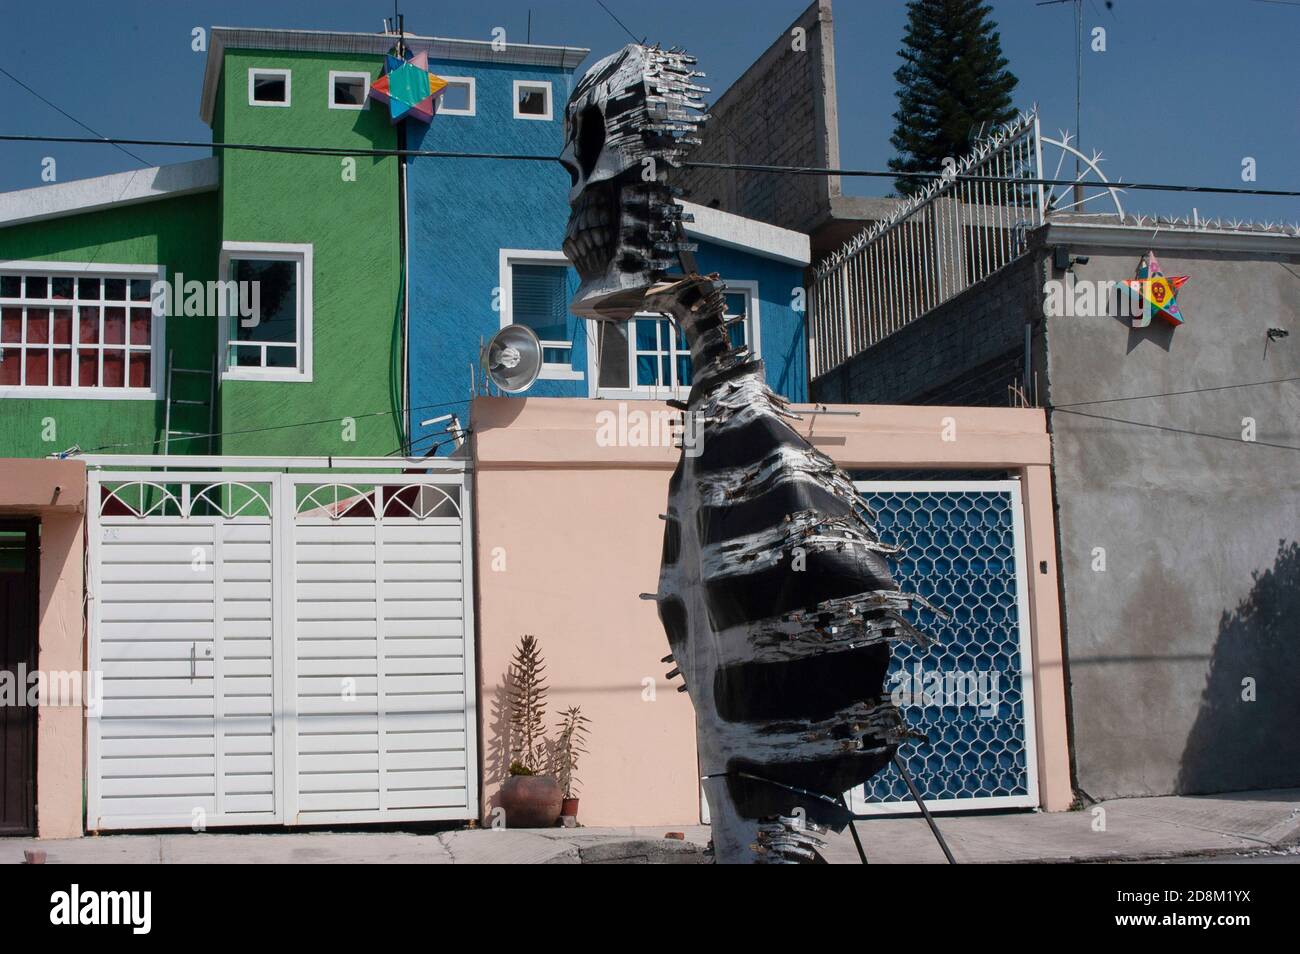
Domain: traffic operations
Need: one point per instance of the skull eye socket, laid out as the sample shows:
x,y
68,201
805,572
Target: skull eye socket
x,y
591,139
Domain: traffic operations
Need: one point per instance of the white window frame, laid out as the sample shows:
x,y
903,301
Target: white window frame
x,y
659,392
518,256
157,333
472,110
255,71
534,84
348,74
275,251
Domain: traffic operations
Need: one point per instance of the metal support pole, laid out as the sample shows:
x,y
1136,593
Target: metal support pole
x,y
920,803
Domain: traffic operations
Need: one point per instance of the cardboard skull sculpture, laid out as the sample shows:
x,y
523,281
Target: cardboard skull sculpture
x,y
774,590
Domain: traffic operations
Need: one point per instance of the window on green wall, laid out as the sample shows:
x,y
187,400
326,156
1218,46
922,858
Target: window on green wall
x,y
268,87
270,339
348,90
74,330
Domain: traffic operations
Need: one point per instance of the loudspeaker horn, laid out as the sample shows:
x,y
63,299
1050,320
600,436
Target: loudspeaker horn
x,y
512,360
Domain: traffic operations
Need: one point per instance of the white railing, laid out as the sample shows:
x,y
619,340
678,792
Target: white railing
x,y
952,234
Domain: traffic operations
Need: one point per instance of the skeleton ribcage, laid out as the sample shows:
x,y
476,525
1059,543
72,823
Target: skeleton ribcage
x,y
778,604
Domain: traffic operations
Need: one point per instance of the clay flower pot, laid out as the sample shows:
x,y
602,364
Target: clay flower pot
x,y
569,808
531,801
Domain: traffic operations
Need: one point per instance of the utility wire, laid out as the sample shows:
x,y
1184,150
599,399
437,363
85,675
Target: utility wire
x,y
1178,430
733,166
1144,397
1019,180
713,117
68,115
297,150
428,451
620,22
271,427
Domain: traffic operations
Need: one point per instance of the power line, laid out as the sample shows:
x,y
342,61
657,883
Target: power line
x,y
733,166
271,427
713,116
1178,430
65,113
1144,397
428,451
297,150
620,23
1018,180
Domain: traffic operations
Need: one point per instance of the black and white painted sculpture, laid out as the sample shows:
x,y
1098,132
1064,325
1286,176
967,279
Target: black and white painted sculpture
x,y
774,592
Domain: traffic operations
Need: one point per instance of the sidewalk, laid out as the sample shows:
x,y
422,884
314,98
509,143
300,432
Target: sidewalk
x,y
1135,829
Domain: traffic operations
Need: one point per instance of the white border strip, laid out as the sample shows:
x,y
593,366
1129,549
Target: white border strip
x,y
120,188
747,235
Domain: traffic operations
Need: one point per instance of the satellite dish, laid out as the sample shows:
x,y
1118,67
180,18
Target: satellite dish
x,y
513,358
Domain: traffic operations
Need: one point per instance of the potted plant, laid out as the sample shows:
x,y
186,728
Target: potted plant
x,y
531,799
570,745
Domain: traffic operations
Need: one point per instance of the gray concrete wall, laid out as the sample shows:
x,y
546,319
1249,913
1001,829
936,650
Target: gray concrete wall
x,y
780,112
966,351
1201,588
1201,530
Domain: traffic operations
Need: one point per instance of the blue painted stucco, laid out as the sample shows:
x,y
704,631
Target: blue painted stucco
x,y
463,212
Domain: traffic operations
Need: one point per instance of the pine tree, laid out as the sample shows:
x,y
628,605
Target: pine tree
x,y
953,81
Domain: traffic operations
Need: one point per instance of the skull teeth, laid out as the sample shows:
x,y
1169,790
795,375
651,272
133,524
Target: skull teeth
x,y
590,241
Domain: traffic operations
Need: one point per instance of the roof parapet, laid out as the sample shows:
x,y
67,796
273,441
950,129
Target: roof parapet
x,y
321,41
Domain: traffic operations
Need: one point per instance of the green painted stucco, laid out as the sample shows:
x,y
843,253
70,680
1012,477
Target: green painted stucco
x,y
180,234
353,229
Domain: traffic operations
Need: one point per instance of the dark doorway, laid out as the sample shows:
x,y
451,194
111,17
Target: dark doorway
x,y
19,602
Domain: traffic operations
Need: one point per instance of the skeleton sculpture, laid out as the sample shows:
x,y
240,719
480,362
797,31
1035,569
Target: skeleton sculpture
x,y
774,590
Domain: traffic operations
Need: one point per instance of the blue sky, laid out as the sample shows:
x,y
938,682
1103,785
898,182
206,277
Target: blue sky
x,y
1184,91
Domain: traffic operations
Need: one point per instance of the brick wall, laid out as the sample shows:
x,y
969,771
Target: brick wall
x,y
780,112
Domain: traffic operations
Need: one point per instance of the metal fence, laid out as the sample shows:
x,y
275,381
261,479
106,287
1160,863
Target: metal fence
x,y
952,234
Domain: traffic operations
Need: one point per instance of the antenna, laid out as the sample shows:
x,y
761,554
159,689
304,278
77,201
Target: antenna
x,y
1078,86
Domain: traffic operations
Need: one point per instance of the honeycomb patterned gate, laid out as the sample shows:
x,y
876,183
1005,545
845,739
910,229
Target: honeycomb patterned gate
x,y
970,692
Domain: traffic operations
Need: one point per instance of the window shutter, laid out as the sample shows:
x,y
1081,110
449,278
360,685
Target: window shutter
x,y
540,300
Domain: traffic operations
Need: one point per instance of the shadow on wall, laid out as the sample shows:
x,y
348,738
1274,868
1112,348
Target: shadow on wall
x,y
1236,744
496,763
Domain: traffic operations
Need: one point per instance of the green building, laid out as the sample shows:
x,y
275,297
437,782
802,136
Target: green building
x,y
117,331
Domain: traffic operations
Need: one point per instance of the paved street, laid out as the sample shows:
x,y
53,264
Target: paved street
x,y
1251,827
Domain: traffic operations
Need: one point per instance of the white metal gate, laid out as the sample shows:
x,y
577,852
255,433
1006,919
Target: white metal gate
x,y
280,649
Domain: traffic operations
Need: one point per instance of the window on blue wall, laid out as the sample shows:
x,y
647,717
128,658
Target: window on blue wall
x,y
648,356
457,97
537,289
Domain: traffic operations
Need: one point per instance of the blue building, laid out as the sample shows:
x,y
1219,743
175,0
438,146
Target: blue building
x,y
484,239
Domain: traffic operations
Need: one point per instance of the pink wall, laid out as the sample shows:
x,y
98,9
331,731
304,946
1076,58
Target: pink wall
x,y
568,536
55,491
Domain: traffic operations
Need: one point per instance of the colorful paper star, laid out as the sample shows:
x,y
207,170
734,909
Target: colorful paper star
x,y
409,88
1156,290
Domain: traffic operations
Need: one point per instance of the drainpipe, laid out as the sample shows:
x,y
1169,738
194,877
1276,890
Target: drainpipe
x,y
404,251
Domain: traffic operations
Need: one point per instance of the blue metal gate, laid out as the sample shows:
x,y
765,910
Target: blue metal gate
x,y
969,692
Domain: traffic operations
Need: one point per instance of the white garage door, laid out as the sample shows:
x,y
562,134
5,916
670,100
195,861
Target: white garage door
x,y
279,650
380,656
